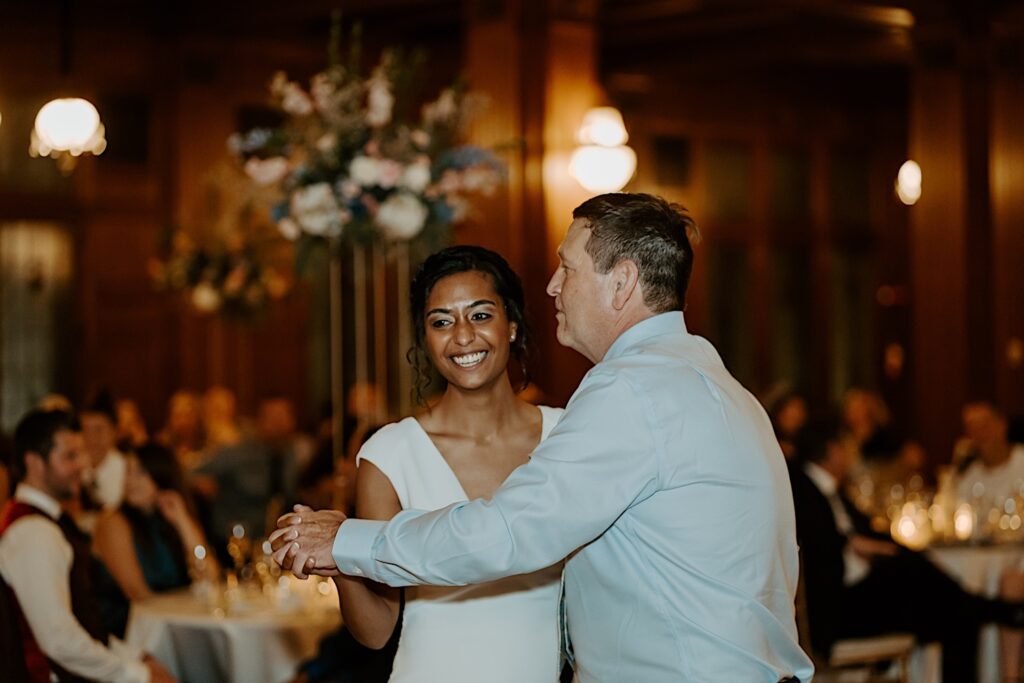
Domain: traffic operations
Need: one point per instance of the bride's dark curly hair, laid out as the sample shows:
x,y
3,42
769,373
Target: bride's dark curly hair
x,y
463,259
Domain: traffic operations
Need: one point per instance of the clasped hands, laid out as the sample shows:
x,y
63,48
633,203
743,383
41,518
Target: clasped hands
x,y
304,539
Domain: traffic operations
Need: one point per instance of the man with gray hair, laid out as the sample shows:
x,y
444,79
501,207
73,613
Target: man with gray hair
x,y
662,484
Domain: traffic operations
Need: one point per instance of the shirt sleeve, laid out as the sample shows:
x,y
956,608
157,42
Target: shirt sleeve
x,y
36,561
599,460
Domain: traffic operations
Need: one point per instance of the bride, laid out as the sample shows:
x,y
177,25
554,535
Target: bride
x,y
467,309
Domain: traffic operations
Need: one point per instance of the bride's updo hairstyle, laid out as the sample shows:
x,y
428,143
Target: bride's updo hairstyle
x,y
463,259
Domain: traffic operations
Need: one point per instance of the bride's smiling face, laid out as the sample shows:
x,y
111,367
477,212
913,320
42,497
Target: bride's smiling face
x,y
467,332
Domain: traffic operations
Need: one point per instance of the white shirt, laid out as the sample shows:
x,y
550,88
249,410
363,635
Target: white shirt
x,y
35,561
855,567
665,487
108,479
995,484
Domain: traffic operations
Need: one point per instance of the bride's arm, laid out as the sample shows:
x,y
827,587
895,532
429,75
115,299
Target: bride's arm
x,y
369,609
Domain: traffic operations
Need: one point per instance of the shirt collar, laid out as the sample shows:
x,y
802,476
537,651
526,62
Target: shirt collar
x,y
825,482
39,499
663,323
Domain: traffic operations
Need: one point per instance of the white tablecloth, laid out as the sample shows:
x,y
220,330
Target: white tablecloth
x,y
978,569
249,639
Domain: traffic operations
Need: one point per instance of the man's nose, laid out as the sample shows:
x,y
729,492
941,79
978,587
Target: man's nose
x,y
555,283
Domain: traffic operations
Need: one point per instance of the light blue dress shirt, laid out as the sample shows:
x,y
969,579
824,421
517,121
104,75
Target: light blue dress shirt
x,y
664,486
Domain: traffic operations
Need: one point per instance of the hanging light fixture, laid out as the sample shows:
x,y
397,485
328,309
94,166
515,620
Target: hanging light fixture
x,y
603,162
66,128
908,182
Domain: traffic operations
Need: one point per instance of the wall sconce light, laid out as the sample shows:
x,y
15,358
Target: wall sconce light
x,y
908,183
65,129
603,162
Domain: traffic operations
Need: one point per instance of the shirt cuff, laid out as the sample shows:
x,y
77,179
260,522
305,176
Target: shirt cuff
x,y
353,546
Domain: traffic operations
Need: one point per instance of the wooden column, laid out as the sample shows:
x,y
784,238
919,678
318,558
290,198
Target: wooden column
x,y
537,62
950,241
1007,182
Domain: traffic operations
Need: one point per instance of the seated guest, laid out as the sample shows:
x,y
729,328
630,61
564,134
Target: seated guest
x,y
866,425
147,545
992,466
131,428
788,412
183,432
220,419
859,583
45,566
992,469
105,479
242,480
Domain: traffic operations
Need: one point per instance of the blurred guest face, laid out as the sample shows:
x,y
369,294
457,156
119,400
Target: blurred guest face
x,y
98,434
129,422
219,405
467,333
139,488
579,291
792,416
858,413
59,473
277,419
183,417
987,431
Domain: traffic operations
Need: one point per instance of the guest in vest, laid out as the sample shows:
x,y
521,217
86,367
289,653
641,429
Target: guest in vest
x,y
49,606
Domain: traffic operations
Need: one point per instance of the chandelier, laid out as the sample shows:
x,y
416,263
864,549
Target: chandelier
x,y
603,162
66,128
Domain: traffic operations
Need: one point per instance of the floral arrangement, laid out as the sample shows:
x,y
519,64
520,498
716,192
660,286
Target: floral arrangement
x,y
230,265
350,163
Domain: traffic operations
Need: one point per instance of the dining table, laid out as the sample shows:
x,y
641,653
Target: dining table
x,y
978,568
244,634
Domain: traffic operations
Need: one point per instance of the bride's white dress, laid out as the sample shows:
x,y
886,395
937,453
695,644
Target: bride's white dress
x,y
501,631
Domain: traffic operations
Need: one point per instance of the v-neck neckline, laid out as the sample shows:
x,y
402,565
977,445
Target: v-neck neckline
x,y
447,465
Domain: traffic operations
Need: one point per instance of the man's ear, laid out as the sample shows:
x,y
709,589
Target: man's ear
x,y
625,283
34,461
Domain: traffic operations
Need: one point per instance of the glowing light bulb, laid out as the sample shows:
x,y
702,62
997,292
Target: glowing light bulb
x,y
908,183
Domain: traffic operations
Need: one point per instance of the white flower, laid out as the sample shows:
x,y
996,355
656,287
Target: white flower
x,y
205,298
401,216
416,176
316,210
364,170
295,101
389,172
266,171
289,229
379,102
